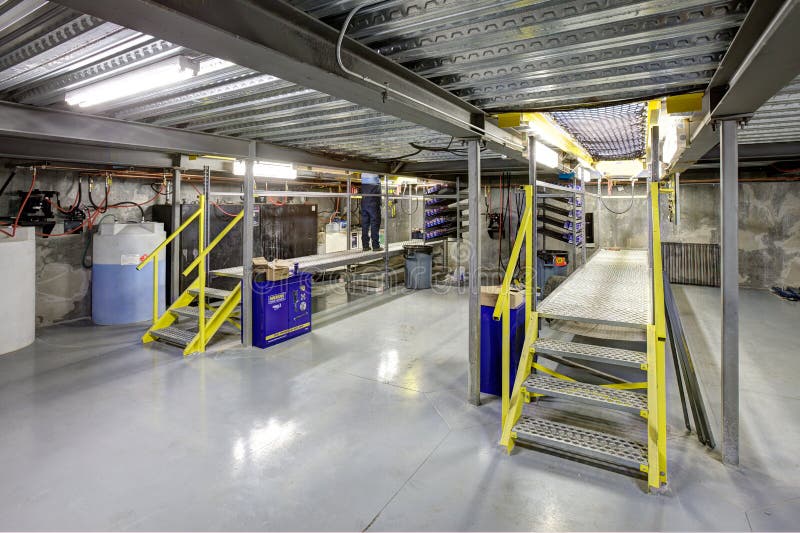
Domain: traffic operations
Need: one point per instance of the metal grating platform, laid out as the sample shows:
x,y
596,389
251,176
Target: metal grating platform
x,y
614,288
590,352
191,312
581,441
177,336
320,262
587,393
219,294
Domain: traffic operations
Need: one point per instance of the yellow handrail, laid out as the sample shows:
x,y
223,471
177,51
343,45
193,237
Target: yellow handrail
x,y
512,263
502,308
213,243
659,320
170,238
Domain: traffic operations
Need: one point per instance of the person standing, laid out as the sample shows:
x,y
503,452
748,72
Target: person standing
x,y
370,211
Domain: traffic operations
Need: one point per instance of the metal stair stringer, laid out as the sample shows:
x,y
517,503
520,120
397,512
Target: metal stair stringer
x,y
169,317
221,315
519,395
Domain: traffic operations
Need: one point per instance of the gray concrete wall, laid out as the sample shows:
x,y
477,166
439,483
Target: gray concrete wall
x,y
769,229
63,285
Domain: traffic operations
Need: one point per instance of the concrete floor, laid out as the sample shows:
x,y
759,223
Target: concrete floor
x,y
363,425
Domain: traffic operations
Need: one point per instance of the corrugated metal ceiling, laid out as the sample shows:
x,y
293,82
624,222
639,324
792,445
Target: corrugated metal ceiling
x,y
778,120
498,54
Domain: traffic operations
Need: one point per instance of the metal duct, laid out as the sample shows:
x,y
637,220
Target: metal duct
x,y
691,263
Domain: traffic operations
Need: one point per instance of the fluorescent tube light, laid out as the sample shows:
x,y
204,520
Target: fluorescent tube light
x,y
267,169
546,155
137,81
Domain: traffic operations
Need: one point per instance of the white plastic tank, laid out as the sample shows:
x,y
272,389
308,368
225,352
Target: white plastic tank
x,y
120,293
18,287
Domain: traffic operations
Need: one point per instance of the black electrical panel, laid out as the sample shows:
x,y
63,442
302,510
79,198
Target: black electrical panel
x,y
283,231
589,228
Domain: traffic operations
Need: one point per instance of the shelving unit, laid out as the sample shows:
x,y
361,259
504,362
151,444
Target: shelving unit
x,y
569,224
443,218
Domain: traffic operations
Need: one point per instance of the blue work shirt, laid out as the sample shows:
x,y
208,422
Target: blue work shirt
x,y
370,179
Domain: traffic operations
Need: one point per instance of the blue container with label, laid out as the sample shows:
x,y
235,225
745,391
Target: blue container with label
x,y
492,348
281,309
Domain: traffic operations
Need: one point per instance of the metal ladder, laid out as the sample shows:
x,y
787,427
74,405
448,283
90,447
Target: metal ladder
x,y
200,311
645,399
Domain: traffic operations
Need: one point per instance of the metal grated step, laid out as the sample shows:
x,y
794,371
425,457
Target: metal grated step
x,y
581,441
191,312
590,352
218,294
177,336
587,393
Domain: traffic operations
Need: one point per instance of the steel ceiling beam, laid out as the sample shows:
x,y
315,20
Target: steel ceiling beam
x,y
273,37
760,61
65,136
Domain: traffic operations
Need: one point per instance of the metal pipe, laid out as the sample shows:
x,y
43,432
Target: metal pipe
x,y
385,232
458,232
534,212
247,249
474,188
175,247
729,254
349,211
677,198
207,207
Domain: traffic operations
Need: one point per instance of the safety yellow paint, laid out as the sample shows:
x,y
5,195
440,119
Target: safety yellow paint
x,y
684,103
509,120
653,475
212,244
551,133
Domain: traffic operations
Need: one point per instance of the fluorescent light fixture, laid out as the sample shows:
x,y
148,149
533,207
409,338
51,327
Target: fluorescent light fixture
x,y
546,155
137,81
267,169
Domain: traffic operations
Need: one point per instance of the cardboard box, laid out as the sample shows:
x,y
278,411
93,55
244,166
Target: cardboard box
x,y
272,270
489,296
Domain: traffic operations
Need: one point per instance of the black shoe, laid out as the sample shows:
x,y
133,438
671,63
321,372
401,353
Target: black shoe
x,y
378,249
365,249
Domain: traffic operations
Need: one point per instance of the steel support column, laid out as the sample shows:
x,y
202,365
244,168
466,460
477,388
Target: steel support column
x,y
247,249
729,254
385,232
534,217
474,188
175,247
207,218
349,211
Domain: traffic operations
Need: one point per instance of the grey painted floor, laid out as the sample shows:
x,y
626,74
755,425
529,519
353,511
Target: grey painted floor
x,y
362,424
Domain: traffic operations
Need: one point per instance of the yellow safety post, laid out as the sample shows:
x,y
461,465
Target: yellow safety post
x,y
530,290
661,334
506,364
653,473
155,289
201,277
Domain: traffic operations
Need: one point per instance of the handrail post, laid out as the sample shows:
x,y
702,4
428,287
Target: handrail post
x,y
529,254
506,364
155,289
201,275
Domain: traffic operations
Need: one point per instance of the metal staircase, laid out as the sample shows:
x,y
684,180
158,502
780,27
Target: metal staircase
x,y
617,288
200,311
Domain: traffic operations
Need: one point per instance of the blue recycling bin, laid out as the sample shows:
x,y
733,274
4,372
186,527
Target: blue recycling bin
x,y
281,309
492,347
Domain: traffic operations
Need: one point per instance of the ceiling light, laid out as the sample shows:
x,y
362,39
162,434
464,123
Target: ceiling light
x,y
267,169
137,81
546,155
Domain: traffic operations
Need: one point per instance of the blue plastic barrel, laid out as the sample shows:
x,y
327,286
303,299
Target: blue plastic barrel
x,y
120,293
492,348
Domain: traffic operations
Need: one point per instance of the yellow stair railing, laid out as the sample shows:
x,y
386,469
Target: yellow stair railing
x,y
197,289
513,398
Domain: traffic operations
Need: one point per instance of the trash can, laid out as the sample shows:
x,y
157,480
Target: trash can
x,y
492,345
419,261
550,263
